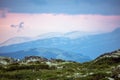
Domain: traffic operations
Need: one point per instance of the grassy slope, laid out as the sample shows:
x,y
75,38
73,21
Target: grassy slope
x,y
101,69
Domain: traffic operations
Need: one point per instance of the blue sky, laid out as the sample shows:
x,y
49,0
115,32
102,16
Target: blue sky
x,y
104,7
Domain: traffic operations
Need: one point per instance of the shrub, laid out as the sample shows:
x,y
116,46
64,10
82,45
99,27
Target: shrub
x,y
116,72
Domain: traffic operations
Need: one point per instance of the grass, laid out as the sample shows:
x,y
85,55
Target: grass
x,y
25,73
62,71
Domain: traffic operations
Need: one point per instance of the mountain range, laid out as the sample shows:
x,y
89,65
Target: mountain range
x,y
75,46
71,35
48,53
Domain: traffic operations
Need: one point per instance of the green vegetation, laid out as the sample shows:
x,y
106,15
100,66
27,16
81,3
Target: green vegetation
x,y
37,68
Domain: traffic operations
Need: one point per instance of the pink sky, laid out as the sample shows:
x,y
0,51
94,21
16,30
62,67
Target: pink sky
x,y
37,24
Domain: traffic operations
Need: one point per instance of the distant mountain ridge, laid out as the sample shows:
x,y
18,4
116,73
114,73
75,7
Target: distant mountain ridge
x,y
91,45
15,40
48,53
108,57
71,35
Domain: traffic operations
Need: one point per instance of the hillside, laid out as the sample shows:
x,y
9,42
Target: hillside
x,y
109,58
15,40
104,67
48,53
86,45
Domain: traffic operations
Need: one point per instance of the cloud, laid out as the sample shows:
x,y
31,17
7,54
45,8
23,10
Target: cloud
x,y
104,7
37,24
18,26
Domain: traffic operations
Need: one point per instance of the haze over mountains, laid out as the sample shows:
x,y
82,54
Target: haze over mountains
x,y
74,46
15,40
71,35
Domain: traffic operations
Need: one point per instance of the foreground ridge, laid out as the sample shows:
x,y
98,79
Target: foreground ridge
x,y
104,67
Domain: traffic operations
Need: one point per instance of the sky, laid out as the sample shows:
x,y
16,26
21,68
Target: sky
x,y
31,18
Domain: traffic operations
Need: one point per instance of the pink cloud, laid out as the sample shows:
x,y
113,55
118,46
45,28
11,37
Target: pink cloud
x,y
36,24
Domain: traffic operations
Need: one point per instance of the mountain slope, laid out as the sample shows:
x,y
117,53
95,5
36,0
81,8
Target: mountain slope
x,y
48,53
92,45
71,35
109,58
15,40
